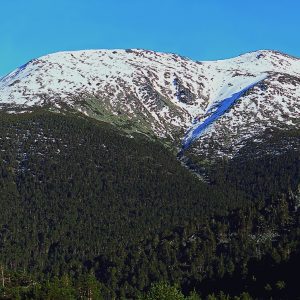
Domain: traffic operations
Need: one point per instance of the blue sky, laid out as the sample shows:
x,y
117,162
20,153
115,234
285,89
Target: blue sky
x,y
199,29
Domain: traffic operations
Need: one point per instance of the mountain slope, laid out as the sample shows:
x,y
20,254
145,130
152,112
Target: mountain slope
x,y
81,197
163,94
73,181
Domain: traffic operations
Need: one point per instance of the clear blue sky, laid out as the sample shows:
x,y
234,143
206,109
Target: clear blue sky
x,y
199,29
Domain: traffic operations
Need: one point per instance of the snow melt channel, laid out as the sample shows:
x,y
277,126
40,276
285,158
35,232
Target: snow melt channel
x,y
219,108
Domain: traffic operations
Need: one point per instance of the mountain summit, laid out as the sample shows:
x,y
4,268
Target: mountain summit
x,y
216,105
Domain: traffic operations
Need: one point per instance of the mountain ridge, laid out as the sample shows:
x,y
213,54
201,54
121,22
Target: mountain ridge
x,y
162,94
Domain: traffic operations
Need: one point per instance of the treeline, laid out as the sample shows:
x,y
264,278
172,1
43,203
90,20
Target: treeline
x,y
89,288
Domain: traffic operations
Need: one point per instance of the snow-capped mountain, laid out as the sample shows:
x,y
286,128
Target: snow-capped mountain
x,y
216,105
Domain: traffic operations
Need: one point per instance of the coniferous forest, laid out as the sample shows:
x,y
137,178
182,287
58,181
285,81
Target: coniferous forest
x,y
88,211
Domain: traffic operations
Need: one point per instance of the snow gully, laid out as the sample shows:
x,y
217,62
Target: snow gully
x,y
213,113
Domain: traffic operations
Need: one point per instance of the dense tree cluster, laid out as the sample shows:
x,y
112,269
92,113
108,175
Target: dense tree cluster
x,y
90,211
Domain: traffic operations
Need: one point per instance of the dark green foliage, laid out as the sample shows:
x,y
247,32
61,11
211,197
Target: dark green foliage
x,y
88,211
263,171
68,181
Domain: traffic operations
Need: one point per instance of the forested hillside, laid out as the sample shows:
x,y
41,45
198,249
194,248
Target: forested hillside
x,y
86,207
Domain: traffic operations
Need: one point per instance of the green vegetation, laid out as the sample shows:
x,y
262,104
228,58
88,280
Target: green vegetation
x,y
89,212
